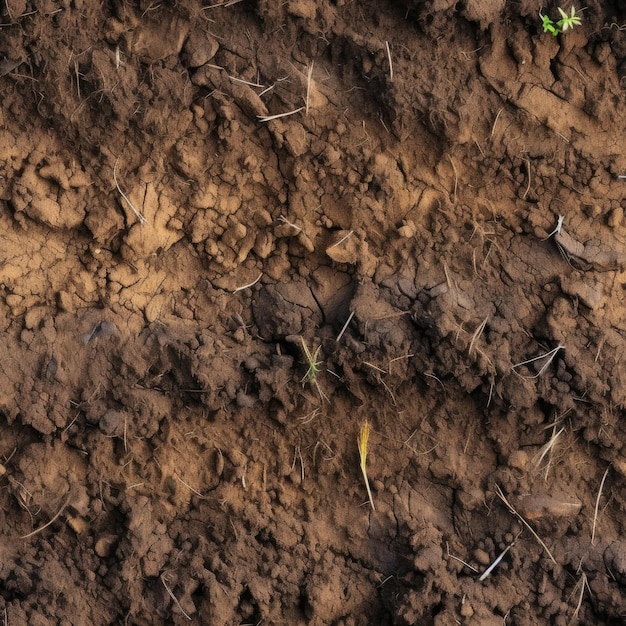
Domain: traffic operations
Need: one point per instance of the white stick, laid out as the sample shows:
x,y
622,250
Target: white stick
x,y
308,87
495,563
595,513
390,63
269,118
254,282
343,330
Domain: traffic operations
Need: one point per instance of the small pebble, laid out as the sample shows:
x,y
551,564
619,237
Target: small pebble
x,y
481,557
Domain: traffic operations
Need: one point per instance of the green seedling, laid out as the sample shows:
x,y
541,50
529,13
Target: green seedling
x,y
364,436
312,362
548,25
313,369
566,21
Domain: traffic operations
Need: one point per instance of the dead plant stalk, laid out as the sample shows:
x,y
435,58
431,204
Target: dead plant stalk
x,y
170,593
308,87
140,217
362,443
390,62
547,451
549,356
54,518
595,512
496,562
269,118
513,510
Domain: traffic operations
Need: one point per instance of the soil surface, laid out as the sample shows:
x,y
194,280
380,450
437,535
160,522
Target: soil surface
x,y
234,235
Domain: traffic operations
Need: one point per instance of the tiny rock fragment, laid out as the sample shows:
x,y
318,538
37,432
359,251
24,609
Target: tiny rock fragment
x,y
104,544
466,609
616,217
481,557
301,8
112,423
78,524
199,48
244,400
408,230
263,245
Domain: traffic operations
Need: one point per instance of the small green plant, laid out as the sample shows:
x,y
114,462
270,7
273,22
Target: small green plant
x,y
566,21
313,368
312,362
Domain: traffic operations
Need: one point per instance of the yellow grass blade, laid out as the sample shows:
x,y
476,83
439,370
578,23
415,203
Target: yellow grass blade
x,y
362,442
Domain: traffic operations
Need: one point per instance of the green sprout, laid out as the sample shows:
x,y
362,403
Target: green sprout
x,y
566,21
548,25
313,369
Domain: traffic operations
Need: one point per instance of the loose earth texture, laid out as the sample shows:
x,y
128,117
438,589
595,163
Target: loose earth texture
x,y
234,235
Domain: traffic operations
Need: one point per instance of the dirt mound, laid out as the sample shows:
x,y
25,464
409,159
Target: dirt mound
x,y
234,234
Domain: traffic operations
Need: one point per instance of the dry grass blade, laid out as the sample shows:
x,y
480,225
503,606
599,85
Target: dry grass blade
x,y
56,517
140,217
344,327
254,282
390,62
456,558
341,240
528,175
284,220
493,128
228,3
308,87
477,333
171,595
549,356
269,118
582,583
512,509
595,512
547,450
363,440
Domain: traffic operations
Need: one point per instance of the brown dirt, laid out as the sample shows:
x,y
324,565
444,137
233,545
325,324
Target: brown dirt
x,y
162,460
